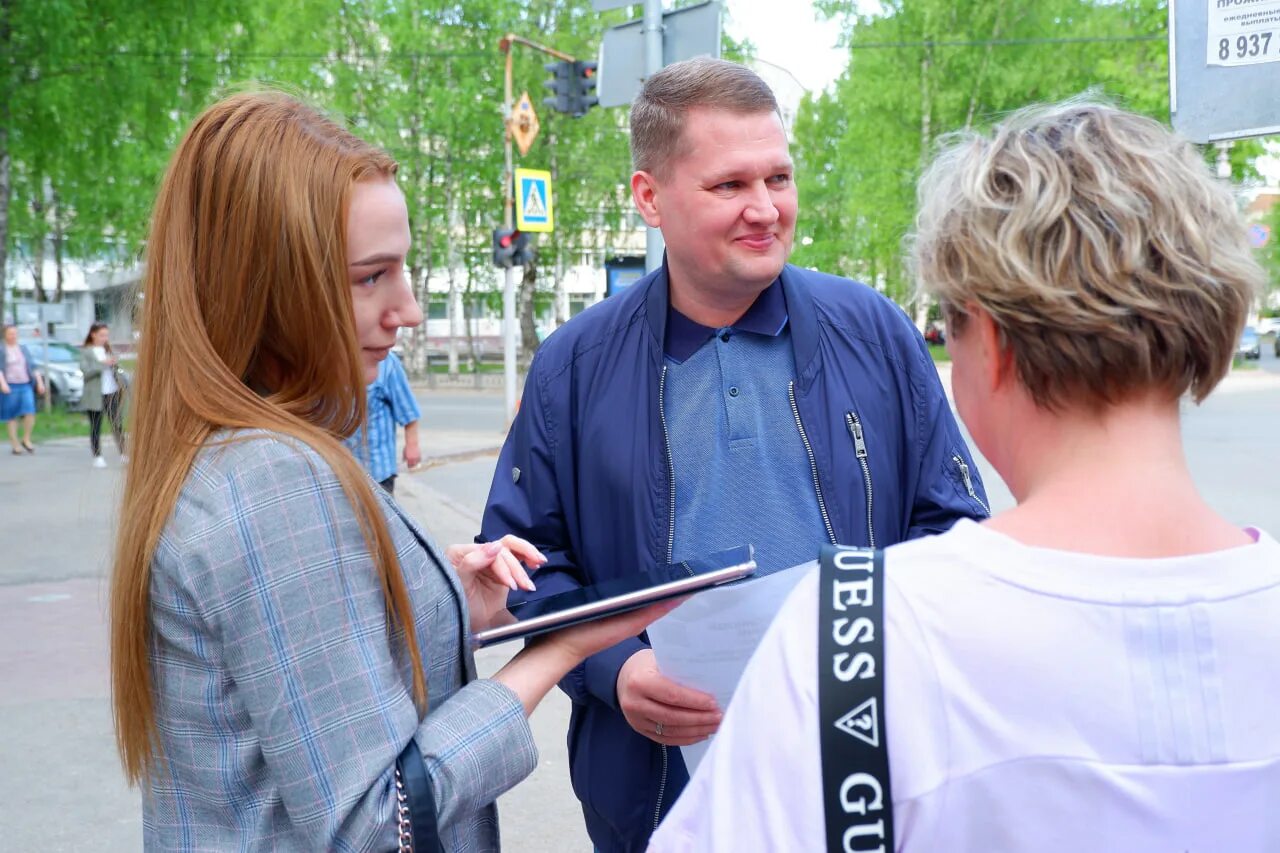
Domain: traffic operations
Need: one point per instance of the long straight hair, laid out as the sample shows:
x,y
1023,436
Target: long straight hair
x,y
247,324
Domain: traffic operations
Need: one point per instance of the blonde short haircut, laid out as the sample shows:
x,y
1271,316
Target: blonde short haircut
x,y
658,112
1112,262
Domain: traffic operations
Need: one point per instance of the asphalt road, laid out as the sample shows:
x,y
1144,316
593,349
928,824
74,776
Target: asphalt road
x,y
462,410
1232,443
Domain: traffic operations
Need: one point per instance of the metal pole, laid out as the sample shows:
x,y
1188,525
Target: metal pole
x,y
508,221
653,245
509,276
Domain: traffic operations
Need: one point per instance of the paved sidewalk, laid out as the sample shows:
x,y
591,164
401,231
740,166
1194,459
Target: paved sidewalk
x,y
60,783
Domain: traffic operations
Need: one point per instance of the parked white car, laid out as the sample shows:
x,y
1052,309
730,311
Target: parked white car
x,y
66,382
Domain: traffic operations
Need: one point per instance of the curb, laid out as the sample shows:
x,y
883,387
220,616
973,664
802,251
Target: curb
x,y
437,460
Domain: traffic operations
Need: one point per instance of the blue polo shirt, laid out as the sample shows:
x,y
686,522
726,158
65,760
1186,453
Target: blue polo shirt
x,y
742,474
390,401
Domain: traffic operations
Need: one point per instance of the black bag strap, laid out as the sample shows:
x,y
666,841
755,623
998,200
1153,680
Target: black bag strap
x,y
421,800
856,796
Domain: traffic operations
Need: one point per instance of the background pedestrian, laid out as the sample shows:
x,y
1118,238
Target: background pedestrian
x,y
389,401
20,384
103,391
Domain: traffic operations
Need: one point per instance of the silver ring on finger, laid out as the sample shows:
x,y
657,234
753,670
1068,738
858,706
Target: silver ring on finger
x,y
657,729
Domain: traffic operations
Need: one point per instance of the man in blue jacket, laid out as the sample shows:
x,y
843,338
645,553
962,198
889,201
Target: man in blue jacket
x,y
725,398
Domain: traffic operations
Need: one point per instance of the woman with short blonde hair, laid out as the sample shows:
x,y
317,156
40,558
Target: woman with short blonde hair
x,y
1110,262
1095,668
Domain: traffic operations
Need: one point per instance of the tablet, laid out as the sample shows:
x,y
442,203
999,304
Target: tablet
x,y
619,595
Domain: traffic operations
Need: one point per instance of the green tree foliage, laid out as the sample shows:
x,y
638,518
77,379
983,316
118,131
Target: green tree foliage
x,y
1269,255
925,68
97,91
92,96
425,79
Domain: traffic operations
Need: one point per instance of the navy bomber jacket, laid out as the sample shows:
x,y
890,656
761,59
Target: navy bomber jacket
x,y
584,476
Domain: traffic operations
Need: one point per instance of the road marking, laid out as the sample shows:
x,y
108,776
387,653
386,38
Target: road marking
x,y
49,597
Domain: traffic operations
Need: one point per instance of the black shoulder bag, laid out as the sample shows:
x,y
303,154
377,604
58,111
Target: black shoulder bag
x,y
415,804
856,797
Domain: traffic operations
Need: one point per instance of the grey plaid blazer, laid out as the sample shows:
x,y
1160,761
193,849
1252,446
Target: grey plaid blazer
x,y
282,702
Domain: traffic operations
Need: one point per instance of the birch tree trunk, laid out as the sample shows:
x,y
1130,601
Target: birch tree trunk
x,y
58,235
6,80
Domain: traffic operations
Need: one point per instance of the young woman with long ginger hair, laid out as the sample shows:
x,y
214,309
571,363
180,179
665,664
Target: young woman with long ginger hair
x,y
290,659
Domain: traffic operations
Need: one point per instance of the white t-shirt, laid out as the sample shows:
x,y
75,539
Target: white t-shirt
x,y
109,384
1036,700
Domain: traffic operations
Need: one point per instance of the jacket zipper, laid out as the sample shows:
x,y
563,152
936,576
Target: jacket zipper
x,y
671,546
662,789
813,462
860,448
968,482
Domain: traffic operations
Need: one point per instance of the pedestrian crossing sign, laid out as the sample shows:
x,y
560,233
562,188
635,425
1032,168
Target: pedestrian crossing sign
x,y
533,200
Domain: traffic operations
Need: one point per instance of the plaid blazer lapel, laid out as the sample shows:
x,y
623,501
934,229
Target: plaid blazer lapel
x,y
450,576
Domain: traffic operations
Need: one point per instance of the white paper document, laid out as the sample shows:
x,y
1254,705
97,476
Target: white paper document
x,y
706,642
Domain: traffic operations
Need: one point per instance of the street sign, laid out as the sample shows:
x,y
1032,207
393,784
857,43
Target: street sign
x,y
606,5
686,33
1224,68
533,200
524,124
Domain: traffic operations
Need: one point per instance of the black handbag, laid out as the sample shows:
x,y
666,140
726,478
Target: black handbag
x,y
856,798
415,804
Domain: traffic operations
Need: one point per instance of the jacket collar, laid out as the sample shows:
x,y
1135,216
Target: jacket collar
x,y
802,315
439,563
655,303
767,316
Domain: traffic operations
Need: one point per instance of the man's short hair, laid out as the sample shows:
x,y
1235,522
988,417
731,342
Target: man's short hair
x,y
658,112
1113,263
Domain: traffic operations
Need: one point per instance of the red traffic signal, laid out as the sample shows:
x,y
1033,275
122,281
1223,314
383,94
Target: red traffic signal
x,y
572,82
511,248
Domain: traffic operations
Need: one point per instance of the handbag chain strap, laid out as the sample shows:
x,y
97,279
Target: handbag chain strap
x,y
403,824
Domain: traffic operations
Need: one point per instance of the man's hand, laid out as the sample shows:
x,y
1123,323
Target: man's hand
x,y
412,455
412,450
4,387
651,702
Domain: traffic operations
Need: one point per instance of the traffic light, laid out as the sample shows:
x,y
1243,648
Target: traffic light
x,y
562,84
511,248
584,83
573,84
